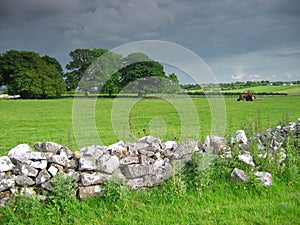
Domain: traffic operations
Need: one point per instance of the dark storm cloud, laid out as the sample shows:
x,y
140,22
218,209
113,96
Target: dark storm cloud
x,y
218,31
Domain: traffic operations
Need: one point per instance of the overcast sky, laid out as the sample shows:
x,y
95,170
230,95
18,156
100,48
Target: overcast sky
x,y
240,40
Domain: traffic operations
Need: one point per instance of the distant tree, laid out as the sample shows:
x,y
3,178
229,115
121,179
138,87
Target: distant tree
x,y
142,73
28,74
81,60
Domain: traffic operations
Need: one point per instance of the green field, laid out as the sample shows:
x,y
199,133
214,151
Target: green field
x,y
213,199
30,121
290,90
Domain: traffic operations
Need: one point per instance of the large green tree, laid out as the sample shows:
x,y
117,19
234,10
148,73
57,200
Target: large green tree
x,y
31,76
142,74
81,60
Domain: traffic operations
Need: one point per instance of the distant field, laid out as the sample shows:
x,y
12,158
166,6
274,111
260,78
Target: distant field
x,y
30,121
292,90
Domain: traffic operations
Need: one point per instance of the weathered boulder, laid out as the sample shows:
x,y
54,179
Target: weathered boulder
x,y
95,151
5,164
61,160
264,177
246,157
238,174
87,162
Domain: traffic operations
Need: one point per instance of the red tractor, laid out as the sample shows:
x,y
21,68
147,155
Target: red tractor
x,y
249,96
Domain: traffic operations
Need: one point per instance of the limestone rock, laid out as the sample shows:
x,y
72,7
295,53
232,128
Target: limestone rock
x,y
238,174
240,138
47,147
93,151
27,170
64,151
89,191
19,152
87,162
42,177
108,163
129,160
23,180
5,164
264,177
170,145
246,157
7,182
52,170
215,143
61,160
42,164
135,170
88,179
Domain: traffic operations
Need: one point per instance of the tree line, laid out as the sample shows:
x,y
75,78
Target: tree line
x,y
95,70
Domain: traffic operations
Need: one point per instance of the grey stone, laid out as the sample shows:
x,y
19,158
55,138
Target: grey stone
x,y
264,177
146,152
88,179
5,164
145,160
23,180
117,147
238,174
154,143
246,157
39,164
129,160
185,148
64,151
89,191
47,147
215,143
93,151
108,163
52,170
42,177
27,170
135,170
170,145
240,138
7,182
61,160
87,163
19,152
38,155
76,176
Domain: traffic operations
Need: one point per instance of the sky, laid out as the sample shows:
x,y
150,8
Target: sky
x,y
239,40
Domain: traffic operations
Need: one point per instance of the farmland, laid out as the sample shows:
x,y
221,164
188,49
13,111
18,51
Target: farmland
x,y
30,121
216,200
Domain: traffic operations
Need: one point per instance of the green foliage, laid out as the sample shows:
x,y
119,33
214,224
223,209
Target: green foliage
x,y
31,76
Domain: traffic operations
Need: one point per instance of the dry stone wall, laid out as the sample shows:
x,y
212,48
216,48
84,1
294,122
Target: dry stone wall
x,y
145,163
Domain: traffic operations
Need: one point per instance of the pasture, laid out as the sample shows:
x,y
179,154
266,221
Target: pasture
x,y
30,121
212,198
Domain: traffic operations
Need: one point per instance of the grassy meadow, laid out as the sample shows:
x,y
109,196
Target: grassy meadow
x,y
191,197
30,121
